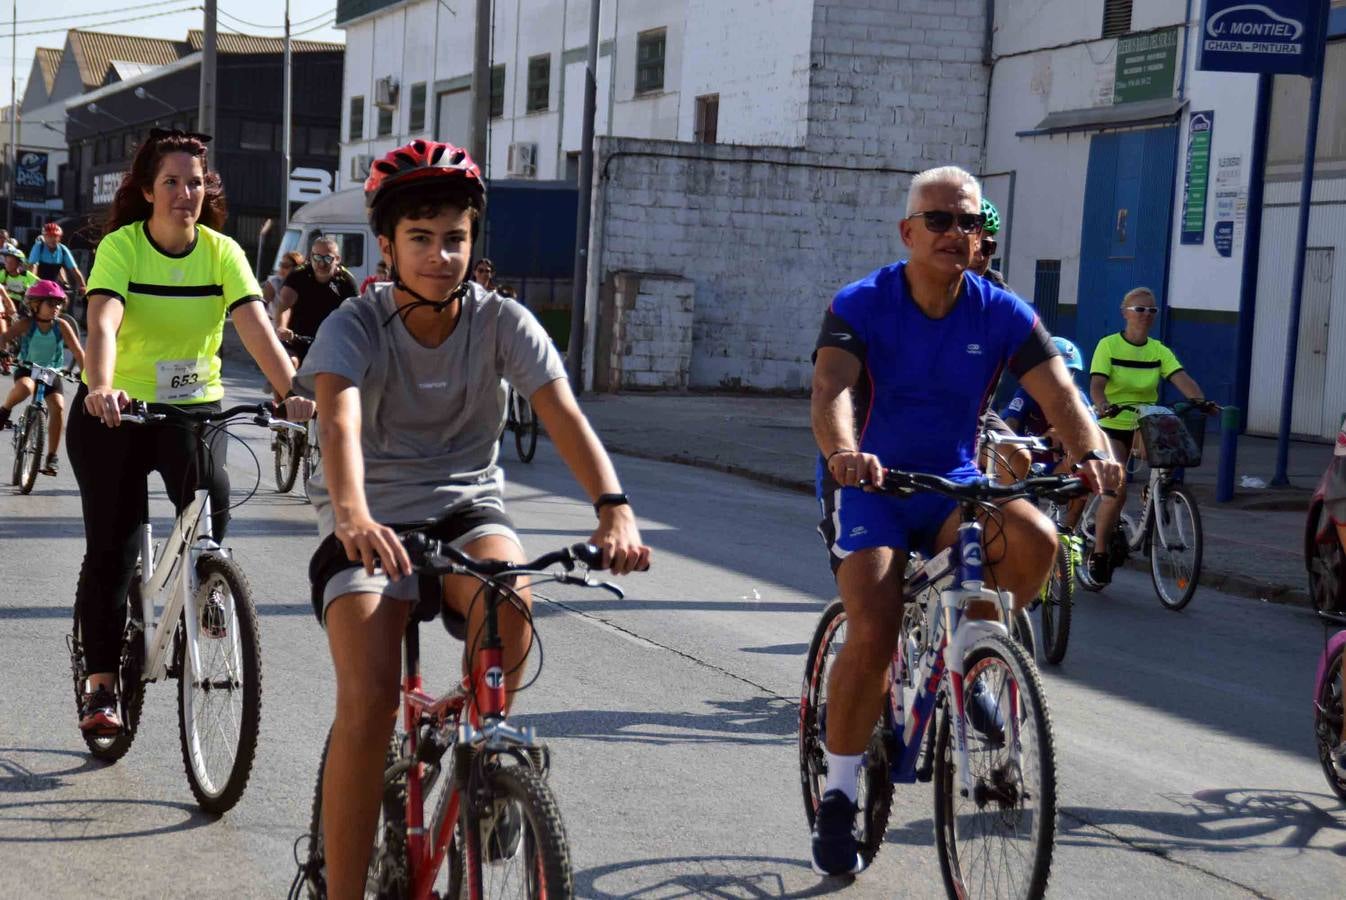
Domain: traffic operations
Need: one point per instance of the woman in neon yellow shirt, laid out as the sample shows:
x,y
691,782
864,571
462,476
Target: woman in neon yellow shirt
x,y
163,281
1127,368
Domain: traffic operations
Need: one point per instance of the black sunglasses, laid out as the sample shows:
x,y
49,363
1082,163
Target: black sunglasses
x,y
938,221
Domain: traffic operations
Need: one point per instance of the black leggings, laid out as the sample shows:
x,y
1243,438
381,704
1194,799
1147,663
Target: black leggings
x,y
111,466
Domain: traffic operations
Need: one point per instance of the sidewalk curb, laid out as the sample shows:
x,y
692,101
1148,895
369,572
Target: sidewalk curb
x,y
1228,582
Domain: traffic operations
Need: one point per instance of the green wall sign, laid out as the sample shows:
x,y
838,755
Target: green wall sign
x,y
1199,131
1145,66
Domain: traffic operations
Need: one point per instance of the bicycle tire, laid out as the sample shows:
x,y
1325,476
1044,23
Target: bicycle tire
x,y
525,429
1327,711
17,442
1035,726
1325,563
1021,629
312,456
130,687
385,878
34,443
542,846
285,453
213,793
875,794
1185,581
1057,602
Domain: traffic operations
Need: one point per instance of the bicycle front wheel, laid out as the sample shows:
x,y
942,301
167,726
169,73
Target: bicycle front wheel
x,y
34,442
17,473
1175,548
998,840
219,707
286,454
312,456
1328,712
525,431
874,794
515,844
1057,600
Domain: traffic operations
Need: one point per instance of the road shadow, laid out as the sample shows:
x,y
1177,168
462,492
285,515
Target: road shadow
x,y
18,777
756,720
27,613
705,876
86,819
1232,820
778,649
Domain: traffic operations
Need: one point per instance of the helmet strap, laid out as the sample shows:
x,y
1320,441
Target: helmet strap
x,y
437,305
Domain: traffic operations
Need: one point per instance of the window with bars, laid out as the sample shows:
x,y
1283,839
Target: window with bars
x,y
1047,291
417,121
357,123
539,82
1116,18
650,46
707,119
497,91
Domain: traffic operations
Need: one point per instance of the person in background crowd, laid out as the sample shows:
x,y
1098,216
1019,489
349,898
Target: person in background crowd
x,y
484,273
271,287
380,274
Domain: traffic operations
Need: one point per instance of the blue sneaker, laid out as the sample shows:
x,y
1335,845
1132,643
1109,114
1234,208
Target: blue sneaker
x,y
835,851
984,713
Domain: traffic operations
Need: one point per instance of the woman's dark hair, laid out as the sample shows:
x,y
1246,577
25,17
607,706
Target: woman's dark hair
x,y
129,205
426,202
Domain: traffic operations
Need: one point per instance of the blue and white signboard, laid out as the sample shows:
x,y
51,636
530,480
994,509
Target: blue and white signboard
x,y
1272,36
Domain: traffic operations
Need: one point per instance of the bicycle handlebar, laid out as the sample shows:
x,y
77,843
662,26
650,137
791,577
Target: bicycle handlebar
x,y
1052,487
138,413
1209,407
437,557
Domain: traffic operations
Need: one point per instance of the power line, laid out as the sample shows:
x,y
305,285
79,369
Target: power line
x,y
106,12
319,27
167,12
320,15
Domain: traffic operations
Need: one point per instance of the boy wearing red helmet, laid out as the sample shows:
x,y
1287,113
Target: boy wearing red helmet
x,y
408,378
43,339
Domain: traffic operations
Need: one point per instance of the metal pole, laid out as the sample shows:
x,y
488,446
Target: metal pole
x,y
286,127
12,157
1281,479
205,118
481,84
575,347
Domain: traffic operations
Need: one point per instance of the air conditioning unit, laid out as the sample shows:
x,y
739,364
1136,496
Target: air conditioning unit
x,y
385,92
522,160
360,164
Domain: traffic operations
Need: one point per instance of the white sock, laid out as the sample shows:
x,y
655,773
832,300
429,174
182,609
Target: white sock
x,y
843,772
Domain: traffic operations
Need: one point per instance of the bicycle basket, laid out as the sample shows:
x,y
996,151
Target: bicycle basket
x,y
1172,440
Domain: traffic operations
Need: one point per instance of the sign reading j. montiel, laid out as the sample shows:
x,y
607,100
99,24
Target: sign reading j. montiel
x,y
1273,36
1199,133
1145,66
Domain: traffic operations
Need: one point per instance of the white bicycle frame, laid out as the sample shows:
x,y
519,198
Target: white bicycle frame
x,y
1149,511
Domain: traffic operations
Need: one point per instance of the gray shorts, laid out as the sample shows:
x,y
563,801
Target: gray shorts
x,y
332,575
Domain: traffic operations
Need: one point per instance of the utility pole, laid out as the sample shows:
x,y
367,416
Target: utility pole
x,y
287,87
205,119
481,84
12,157
575,346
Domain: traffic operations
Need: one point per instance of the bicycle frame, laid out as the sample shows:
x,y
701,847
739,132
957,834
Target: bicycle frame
x,y
949,636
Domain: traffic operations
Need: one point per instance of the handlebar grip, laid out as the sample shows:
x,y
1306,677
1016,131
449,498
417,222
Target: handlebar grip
x,y
588,554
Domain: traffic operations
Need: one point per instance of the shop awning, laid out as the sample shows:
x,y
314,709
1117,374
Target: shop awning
x,y
1098,118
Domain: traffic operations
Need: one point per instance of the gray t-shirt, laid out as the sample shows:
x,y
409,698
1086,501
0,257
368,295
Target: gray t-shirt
x,y
430,416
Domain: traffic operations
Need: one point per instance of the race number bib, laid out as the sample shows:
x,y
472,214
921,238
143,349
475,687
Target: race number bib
x,y
179,380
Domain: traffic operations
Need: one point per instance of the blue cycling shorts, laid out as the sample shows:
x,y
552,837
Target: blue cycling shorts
x,y
856,520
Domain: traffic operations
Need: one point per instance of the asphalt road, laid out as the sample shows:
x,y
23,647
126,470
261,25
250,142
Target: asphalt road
x,y
1184,745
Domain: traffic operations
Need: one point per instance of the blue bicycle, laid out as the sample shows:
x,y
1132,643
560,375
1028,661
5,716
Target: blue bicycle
x,y
994,772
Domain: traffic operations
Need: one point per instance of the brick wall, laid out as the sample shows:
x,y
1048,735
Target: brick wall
x,y
648,332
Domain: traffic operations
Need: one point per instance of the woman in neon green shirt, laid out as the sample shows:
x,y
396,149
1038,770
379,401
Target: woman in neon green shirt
x,y
1128,367
163,281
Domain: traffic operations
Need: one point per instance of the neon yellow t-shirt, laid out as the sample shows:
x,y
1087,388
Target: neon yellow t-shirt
x,y
175,310
17,285
1133,373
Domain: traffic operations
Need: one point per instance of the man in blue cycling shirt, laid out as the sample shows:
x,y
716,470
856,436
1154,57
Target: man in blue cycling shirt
x,y
906,361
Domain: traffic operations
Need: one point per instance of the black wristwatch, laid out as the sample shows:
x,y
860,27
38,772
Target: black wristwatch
x,y
610,500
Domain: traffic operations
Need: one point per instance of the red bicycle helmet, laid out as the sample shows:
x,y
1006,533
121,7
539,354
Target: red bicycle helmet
x,y
42,289
416,164
52,228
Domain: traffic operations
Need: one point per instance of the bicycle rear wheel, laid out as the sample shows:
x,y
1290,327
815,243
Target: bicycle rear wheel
x,y
287,451
998,841
874,794
1327,711
130,687
312,457
515,843
1057,601
219,707
33,443
525,429
1175,547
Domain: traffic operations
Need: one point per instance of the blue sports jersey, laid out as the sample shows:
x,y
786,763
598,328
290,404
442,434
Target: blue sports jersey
x,y
1032,421
926,382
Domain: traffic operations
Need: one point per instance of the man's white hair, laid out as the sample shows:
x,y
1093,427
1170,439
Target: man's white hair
x,y
951,175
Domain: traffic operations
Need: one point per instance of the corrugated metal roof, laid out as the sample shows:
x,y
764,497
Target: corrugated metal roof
x,y
232,42
48,61
94,51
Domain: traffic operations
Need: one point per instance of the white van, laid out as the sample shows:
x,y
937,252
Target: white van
x,y
340,215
